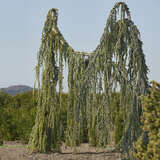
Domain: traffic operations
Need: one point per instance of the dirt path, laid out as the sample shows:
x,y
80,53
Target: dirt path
x,y
16,151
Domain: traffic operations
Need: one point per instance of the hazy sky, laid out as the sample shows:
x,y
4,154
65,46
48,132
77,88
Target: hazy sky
x,y
81,22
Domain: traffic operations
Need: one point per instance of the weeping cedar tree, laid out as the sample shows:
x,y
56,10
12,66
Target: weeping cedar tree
x,y
117,62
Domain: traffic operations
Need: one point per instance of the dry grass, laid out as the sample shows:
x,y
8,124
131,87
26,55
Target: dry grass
x,y
17,151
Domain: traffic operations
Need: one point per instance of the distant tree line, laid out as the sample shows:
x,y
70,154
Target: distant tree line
x,y
17,116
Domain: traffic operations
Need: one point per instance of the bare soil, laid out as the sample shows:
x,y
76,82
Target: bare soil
x,y
17,151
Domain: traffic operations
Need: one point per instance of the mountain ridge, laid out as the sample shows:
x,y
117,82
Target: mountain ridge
x,y
16,89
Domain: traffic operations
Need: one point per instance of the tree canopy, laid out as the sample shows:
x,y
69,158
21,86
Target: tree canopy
x,y
116,64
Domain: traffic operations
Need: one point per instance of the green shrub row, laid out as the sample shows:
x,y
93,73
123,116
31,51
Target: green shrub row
x,y
17,116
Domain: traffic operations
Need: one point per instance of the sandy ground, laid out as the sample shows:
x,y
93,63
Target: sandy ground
x,y
17,151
